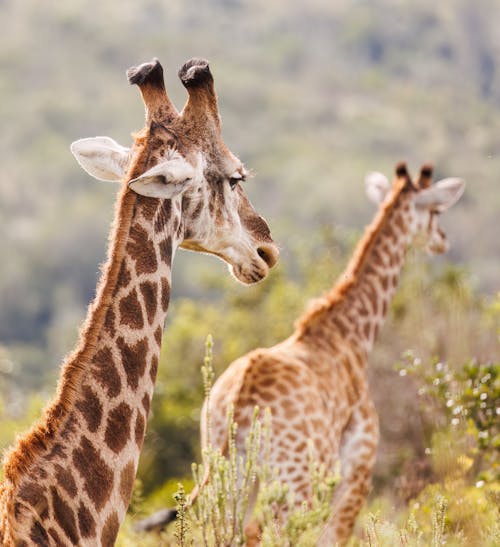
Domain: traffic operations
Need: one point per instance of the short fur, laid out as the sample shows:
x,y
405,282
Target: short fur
x,y
19,458
315,382
349,278
70,478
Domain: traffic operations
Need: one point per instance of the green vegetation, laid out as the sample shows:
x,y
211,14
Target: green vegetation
x,y
458,503
312,96
419,444
227,487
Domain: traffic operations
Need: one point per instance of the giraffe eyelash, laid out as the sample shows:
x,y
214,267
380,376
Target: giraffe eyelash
x,y
236,178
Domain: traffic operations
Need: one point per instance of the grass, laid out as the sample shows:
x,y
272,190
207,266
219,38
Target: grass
x,y
455,509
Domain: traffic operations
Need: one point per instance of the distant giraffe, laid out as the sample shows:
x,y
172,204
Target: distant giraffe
x,y
69,480
315,382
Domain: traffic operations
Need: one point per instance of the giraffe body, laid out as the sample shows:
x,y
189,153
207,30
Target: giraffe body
x,y
70,479
315,382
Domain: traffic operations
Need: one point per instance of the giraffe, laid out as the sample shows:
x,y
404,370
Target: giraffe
x,y
69,480
315,382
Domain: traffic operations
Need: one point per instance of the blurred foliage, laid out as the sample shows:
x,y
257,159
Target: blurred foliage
x,y
420,445
312,95
243,318
458,502
227,493
468,402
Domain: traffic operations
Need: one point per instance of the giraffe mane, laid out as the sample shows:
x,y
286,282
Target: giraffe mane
x,y
28,446
350,275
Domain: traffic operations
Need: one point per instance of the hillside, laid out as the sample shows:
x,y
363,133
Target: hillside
x,y
312,96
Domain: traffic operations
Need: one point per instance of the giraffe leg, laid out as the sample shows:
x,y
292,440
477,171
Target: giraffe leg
x,y
253,531
357,457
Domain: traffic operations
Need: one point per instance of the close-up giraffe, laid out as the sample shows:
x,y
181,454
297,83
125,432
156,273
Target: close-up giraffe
x,y
315,382
69,480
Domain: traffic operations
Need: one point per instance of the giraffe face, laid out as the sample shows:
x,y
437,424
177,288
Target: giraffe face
x,y
184,157
429,203
428,235
219,219
425,205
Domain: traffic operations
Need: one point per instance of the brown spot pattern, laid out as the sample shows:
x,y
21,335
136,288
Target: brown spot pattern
x,y
158,335
38,535
55,536
69,427
154,368
141,249
109,322
96,474
124,278
146,403
91,408
197,210
32,493
166,250
148,207
384,282
18,509
339,324
118,427
257,226
165,294
133,360
64,516
149,293
140,426
57,450
163,217
130,311
105,372
86,522
127,477
66,480
110,530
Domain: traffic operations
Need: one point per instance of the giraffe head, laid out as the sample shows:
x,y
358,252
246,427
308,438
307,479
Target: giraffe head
x,y
427,201
182,157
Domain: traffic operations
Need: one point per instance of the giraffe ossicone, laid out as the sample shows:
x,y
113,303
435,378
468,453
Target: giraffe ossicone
x,y
69,480
315,382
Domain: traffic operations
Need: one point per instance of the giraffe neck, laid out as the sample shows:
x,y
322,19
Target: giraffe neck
x,y
356,307
77,467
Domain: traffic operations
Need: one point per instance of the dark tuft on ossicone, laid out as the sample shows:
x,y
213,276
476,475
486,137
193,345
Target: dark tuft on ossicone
x,y
426,170
147,73
401,169
195,72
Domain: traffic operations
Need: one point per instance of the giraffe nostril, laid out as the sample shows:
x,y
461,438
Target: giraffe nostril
x,y
269,255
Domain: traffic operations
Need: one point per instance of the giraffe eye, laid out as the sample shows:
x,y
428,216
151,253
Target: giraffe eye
x,y
235,179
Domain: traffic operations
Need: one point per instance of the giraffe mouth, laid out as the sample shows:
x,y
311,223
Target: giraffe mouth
x,y
254,265
245,269
437,247
247,276
251,273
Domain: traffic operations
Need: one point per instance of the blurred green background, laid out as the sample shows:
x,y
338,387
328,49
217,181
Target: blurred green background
x,y
312,96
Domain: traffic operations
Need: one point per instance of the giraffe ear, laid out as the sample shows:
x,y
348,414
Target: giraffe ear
x,y
377,186
102,157
440,196
165,180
